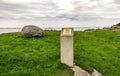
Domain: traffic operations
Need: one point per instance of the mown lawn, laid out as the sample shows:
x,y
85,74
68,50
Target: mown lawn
x,y
41,56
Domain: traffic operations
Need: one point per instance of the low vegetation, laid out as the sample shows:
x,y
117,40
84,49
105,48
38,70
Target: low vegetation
x,y
21,56
41,56
98,50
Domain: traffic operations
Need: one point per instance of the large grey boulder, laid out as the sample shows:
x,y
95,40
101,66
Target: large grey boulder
x,y
32,31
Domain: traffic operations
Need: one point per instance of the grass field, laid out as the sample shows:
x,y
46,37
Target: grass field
x,y
41,56
99,50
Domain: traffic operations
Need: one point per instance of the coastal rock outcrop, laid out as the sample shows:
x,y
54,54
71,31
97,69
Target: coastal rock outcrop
x,y
30,31
116,26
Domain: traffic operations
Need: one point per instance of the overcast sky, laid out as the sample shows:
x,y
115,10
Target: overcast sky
x,y
44,13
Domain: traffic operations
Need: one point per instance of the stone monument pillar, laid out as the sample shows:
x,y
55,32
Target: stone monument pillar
x,y
67,46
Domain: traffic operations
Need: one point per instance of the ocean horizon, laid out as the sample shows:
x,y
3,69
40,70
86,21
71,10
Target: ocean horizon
x,y
18,29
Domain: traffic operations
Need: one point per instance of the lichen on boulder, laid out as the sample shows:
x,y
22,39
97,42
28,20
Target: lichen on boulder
x,y
30,31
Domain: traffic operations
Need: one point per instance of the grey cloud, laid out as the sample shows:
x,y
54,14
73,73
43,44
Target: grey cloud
x,y
10,10
79,17
47,10
9,5
117,1
1,1
97,11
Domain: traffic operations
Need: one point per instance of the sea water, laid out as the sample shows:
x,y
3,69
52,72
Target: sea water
x,y
6,30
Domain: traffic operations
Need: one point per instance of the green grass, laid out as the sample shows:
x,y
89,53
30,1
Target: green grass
x,y
99,50
41,56
31,56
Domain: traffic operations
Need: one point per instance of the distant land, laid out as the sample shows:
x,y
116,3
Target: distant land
x,y
59,28
18,29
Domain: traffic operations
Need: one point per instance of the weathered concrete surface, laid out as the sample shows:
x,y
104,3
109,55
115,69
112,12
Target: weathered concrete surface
x,y
67,47
96,73
79,72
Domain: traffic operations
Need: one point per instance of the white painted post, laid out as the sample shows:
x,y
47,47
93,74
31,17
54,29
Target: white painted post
x,y
67,46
